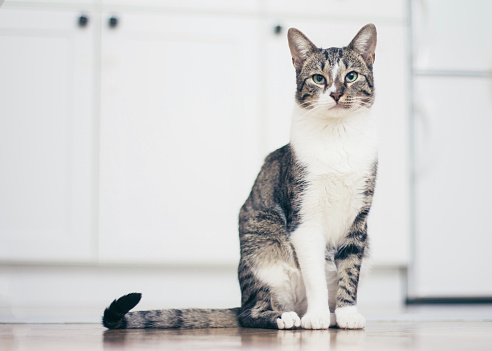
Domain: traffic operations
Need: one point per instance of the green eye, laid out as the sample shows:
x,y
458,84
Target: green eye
x,y
318,79
351,77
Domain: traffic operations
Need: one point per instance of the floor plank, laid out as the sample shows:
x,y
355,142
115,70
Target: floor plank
x,y
397,335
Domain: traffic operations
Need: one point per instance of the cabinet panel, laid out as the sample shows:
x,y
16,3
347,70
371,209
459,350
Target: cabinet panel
x,y
180,136
452,38
452,183
46,136
389,219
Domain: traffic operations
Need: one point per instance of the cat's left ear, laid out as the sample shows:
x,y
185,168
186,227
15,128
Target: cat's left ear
x,y
365,43
300,47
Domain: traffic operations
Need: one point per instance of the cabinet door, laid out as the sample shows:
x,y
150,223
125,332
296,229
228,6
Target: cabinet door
x,y
389,219
46,136
180,136
452,184
452,36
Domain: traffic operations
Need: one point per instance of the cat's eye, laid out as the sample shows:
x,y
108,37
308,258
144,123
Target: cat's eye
x,y
351,77
319,79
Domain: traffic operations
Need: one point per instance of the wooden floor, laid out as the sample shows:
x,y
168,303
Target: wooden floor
x,y
386,335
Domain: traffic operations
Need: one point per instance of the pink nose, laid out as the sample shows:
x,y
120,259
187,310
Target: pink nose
x,y
335,96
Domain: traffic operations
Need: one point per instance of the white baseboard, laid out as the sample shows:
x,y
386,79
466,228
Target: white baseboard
x,y
72,294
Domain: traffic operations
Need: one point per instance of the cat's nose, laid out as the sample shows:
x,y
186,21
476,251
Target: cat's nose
x,y
335,95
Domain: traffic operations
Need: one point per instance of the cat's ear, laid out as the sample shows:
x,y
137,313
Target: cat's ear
x,y
365,43
300,47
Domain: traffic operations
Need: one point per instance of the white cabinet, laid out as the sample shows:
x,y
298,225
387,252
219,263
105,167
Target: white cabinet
x,y
179,137
389,219
452,119
452,36
452,187
139,141
47,194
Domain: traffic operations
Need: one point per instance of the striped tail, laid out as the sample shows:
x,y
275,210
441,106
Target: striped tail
x,y
117,316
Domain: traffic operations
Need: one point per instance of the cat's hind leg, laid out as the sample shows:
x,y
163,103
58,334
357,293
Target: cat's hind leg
x,y
262,311
332,284
271,284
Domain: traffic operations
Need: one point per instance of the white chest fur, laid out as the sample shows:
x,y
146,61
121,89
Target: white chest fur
x,y
338,155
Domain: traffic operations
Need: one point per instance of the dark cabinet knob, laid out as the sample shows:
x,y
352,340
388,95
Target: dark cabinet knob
x,y
83,21
113,22
278,29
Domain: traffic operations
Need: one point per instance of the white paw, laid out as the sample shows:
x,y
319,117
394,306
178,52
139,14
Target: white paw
x,y
349,318
316,320
288,320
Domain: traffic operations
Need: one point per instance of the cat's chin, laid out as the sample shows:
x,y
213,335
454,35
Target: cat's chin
x,y
337,111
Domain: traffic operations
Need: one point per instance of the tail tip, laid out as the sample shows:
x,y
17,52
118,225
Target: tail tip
x,y
113,315
127,302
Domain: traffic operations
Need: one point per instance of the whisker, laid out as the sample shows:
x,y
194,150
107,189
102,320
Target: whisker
x,y
350,102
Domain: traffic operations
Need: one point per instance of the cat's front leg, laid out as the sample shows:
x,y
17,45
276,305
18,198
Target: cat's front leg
x,y
348,261
309,244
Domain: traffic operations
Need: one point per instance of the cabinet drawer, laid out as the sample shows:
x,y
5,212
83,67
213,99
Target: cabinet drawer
x,y
189,5
340,9
52,2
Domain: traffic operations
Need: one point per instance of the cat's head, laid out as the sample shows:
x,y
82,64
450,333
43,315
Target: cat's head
x,y
334,82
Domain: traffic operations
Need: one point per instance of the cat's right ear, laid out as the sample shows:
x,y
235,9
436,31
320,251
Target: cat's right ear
x,y
365,43
300,47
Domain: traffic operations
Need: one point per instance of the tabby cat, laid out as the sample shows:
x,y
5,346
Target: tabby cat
x,y
303,228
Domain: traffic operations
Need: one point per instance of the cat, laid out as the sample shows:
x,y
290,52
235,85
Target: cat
x,y
303,228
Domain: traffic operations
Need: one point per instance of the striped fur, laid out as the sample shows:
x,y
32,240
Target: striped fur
x,y
117,316
303,228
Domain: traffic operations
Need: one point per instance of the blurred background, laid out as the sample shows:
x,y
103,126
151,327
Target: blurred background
x,y
131,134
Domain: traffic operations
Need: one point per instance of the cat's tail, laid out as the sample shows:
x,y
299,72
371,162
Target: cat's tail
x,y
117,316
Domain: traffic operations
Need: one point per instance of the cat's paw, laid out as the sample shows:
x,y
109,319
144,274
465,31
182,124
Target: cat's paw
x,y
288,320
349,318
316,320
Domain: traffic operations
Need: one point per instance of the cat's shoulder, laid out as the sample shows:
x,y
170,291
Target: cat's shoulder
x,y
279,154
278,163
283,158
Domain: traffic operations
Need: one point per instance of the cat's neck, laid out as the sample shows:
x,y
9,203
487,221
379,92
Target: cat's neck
x,y
318,136
319,124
